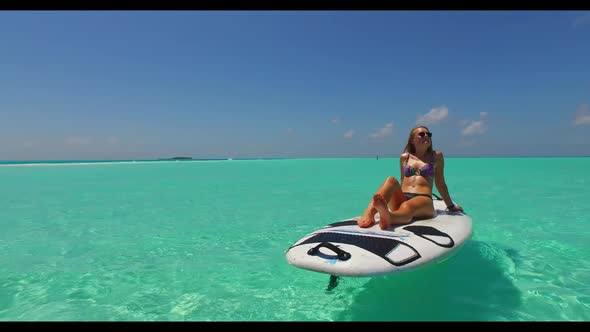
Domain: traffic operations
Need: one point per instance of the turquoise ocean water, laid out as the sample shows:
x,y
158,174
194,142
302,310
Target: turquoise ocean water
x,y
205,241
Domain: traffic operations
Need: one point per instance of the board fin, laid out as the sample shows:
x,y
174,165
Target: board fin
x,y
332,283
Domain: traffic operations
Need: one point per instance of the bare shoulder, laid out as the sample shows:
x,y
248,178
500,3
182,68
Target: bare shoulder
x,y
438,155
404,155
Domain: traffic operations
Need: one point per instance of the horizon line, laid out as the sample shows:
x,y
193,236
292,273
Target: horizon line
x,y
258,158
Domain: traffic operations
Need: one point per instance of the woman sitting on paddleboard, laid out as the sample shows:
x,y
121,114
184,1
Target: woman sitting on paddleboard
x,y
419,165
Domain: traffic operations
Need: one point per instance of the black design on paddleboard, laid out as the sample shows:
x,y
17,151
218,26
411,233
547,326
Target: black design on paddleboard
x,y
377,245
451,213
426,231
350,222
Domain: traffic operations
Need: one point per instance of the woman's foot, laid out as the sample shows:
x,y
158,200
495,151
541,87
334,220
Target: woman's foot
x,y
368,218
381,205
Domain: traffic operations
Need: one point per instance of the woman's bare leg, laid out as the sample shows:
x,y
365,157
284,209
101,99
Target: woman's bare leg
x,y
391,191
418,206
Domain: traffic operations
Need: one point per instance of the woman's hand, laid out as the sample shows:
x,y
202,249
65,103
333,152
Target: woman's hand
x,y
456,208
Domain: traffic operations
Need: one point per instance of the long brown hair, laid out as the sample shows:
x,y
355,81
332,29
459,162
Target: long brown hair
x,y
410,147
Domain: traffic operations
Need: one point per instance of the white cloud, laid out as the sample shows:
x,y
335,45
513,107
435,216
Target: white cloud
x,y
435,116
349,134
335,121
582,115
383,132
581,21
77,141
473,128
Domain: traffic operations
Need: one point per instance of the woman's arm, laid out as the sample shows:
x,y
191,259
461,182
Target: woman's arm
x,y
402,159
441,185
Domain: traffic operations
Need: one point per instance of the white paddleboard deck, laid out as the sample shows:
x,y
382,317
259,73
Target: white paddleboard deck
x,y
345,249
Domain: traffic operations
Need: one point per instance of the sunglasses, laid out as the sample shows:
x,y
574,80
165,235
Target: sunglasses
x,y
422,134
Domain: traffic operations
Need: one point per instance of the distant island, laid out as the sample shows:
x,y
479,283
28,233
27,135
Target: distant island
x,y
177,158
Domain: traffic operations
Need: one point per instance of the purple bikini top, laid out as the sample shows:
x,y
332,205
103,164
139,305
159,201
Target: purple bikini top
x,y
425,171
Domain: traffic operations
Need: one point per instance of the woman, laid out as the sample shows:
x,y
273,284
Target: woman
x,y
419,165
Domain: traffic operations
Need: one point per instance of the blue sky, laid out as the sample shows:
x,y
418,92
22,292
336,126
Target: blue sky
x,y
131,85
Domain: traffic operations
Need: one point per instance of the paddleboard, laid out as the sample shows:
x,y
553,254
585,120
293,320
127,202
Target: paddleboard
x,y
345,249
